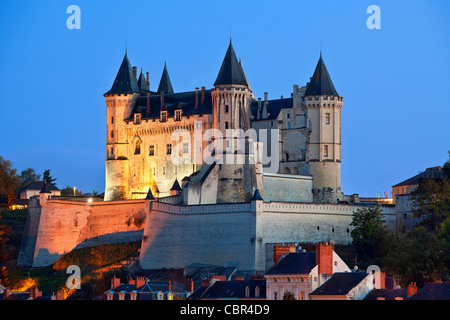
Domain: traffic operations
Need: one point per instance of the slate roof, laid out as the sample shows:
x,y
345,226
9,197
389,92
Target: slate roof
x,y
150,195
142,83
230,290
274,107
183,100
165,84
37,185
231,71
340,283
388,294
176,186
294,263
321,83
429,173
46,187
433,291
125,82
256,195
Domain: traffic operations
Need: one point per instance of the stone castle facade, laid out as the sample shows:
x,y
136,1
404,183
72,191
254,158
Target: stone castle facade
x,y
280,184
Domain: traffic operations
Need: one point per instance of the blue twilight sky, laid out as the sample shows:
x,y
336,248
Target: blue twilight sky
x,y
395,81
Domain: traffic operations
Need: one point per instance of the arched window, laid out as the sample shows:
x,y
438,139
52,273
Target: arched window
x,y
287,171
137,147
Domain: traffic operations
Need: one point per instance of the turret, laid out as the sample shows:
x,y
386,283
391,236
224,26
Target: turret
x,y
323,107
231,97
119,100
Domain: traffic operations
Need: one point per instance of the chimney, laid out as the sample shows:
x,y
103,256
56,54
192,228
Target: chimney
x,y
6,293
324,258
148,80
279,250
148,103
205,282
162,98
135,71
238,278
59,295
202,100
266,96
189,284
140,281
412,289
131,281
196,98
169,285
219,278
34,292
258,113
115,282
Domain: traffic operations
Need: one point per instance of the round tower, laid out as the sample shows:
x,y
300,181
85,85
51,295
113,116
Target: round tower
x,y
231,98
119,101
323,107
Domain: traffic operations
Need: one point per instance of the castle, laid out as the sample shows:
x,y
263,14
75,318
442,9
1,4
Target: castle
x,y
219,176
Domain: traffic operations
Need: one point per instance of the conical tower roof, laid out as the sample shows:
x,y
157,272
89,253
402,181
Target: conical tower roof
x,y
176,186
125,82
231,71
142,82
321,83
150,195
165,84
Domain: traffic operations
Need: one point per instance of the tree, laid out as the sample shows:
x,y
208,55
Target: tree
x,y
27,176
4,234
431,203
9,181
288,296
370,234
47,177
69,192
446,167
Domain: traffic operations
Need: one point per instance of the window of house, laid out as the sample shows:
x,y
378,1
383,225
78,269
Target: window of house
x,y
303,295
137,147
163,116
152,150
137,118
169,148
335,263
185,147
177,115
288,115
275,296
325,151
256,292
288,125
327,118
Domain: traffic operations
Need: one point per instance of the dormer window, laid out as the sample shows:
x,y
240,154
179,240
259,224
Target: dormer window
x,y
163,116
177,115
247,292
137,118
256,292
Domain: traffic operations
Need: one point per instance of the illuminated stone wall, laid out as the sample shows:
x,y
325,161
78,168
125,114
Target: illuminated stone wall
x,y
66,225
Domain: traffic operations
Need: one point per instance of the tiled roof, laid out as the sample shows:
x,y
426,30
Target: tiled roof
x,y
321,83
295,263
433,291
37,186
340,283
230,290
125,82
231,71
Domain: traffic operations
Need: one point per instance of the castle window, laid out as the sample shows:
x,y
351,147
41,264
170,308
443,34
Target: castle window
x,y
137,147
152,150
169,148
325,151
177,115
112,120
226,124
164,170
226,108
163,116
112,133
327,118
288,125
154,171
137,118
288,115
185,147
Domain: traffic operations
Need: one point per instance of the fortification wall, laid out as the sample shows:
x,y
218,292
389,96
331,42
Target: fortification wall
x,y
66,225
306,222
28,243
176,236
284,187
